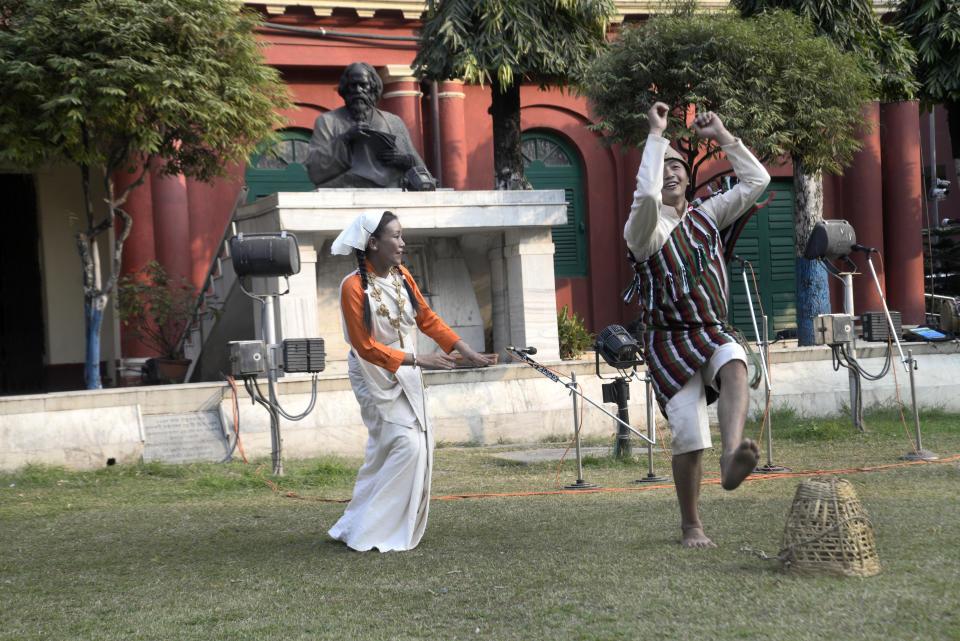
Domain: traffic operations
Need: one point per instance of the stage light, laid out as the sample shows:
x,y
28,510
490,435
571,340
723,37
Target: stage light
x,y
830,239
618,348
940,190
267,254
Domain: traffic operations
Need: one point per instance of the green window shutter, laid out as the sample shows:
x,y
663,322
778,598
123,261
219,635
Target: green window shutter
x,y
569,253
550,163
767,242
279,168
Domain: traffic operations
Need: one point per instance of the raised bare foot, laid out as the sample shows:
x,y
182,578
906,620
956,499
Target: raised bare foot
x,y
693,537
737,465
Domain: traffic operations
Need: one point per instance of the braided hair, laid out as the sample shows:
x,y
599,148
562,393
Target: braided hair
x,y
388,216
364,280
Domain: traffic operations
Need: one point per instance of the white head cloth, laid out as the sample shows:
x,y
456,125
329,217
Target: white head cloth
x,y
357,233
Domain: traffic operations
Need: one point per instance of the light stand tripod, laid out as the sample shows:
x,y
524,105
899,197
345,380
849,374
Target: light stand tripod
x,y
271,255
651,421
853,373
268,329
621,351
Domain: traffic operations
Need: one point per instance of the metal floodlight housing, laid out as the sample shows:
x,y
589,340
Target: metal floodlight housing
x,y
941,189
618,347
830,239
265,254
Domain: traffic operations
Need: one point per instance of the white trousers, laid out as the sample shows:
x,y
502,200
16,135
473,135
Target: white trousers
x,y
687,409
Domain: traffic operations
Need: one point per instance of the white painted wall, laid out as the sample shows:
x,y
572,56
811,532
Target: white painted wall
x,y
61,214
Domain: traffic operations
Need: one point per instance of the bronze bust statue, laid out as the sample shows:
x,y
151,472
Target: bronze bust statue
x,y
358,145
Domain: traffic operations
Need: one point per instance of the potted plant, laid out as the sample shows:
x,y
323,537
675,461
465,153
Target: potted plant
x,y
158,309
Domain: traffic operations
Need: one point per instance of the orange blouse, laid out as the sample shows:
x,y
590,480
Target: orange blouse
x,y
351,304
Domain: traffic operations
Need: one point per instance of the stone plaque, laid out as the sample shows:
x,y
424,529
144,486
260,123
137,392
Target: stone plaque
x,y
184,438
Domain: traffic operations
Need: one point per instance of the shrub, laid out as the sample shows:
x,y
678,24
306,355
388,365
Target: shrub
x,y
574,337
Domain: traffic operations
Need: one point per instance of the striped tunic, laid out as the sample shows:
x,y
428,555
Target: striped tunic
x,y
679,263
682,291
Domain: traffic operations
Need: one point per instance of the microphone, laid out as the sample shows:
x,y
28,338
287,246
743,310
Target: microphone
x,y
738,258
857,247
523,350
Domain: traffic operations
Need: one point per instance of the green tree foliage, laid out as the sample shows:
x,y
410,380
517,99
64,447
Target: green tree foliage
x,y
115,84
933,27
782,89
883,51
504,43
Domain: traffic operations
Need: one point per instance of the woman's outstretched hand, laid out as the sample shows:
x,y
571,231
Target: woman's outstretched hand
x,y
471,357
436,360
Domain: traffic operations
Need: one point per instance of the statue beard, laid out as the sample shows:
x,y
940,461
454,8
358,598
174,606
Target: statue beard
x,y
360,106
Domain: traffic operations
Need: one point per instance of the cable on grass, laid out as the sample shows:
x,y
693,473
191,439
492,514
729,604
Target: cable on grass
x,y
277,489
715,481
235,404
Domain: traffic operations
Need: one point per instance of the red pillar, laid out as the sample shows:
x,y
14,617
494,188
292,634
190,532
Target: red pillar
x,y
172,223
140,246
453,134
902,210
863,208
401,96
210,209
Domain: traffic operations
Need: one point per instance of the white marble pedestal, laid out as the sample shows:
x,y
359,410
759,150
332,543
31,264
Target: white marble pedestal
x,y
483,258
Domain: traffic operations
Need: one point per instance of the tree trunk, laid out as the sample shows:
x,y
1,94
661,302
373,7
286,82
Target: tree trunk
x,y
813,290
507,159
96,293
93,307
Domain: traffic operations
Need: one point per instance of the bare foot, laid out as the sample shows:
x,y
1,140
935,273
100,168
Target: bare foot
x,y
693,537
735,466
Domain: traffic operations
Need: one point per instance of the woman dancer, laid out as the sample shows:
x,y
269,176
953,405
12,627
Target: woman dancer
x,y
382,308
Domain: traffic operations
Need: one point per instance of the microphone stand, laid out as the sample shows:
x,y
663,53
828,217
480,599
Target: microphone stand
x,y
580,484
919,454
764,347
521,355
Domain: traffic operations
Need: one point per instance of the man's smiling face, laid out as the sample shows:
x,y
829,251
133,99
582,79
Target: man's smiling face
x,y
675,181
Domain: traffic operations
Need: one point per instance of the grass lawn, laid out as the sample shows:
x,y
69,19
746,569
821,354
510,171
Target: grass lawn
x,y
213,552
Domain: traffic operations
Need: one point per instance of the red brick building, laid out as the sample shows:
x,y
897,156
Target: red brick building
x,y
311,41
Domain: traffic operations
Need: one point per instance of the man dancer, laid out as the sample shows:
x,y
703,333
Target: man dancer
x,y
682,286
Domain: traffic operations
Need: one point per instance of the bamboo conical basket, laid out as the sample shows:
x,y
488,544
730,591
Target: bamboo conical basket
x,y
828,531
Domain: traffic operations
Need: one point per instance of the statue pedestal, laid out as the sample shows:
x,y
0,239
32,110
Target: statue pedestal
x,y
483,259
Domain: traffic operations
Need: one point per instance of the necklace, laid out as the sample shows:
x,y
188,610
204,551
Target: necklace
x,y
382,308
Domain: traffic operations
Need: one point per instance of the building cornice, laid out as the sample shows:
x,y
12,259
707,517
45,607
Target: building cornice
x,y
414,10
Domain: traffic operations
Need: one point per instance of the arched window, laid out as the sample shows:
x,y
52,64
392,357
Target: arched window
x,y
279,168
550,163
